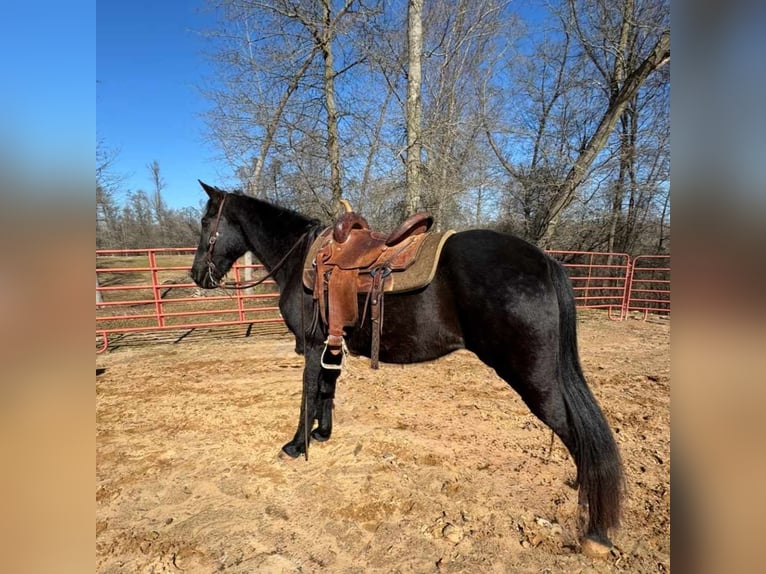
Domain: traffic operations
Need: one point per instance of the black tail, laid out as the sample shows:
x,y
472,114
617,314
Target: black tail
x,y
599,468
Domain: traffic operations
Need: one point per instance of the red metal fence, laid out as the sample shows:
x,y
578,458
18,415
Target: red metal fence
x,y
649,287
141,290
149,290
599,280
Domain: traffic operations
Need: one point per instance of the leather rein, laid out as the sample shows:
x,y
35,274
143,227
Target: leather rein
x,y
211,268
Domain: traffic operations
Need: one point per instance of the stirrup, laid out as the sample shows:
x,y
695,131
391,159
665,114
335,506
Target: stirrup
x,y
333,366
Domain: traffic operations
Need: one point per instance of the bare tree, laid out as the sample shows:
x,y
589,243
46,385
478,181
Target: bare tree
x,y
461,39
627,85
640,188
541,122
158,184
158,204
278,60
137,223
598,40
107,186
438,62
639,145
324,40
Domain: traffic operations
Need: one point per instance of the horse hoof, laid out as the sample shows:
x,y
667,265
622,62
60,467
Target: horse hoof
x,y
319,437
291,450
595,549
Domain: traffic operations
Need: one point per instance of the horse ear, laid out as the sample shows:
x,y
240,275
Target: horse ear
x,y
212,192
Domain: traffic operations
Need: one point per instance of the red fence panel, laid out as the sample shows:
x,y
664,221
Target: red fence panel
x,y
143,290
599,280
649,289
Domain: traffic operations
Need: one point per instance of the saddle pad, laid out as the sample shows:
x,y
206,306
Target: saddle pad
x,y
419,274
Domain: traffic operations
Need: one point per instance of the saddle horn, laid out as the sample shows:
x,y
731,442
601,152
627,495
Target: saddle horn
x,y
346,205
347,221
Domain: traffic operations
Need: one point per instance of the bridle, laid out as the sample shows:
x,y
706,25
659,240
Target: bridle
x,y
211,268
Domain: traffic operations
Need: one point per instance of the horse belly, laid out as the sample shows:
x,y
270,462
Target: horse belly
x,y
418,326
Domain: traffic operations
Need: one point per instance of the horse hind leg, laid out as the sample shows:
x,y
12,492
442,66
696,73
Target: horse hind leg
x,y
575,416
580,425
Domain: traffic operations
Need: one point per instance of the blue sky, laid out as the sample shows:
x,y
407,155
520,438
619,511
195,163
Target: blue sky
x,y
150,64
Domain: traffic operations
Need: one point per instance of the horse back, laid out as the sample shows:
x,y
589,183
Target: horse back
x,y
488,286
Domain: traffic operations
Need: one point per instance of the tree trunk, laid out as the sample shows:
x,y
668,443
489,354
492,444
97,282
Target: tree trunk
x,y
634,204
479,205
333,147
271,129
413,199
157,204
662,237
618,194
254,180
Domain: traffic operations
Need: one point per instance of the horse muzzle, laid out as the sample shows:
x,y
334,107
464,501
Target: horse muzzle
x,y
205,276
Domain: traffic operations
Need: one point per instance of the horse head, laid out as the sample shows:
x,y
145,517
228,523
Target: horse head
x,y
221,240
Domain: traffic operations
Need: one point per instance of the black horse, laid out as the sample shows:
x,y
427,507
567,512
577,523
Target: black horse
x,y
493,294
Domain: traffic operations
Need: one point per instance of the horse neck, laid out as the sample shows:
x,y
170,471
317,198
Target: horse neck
x,y
271,231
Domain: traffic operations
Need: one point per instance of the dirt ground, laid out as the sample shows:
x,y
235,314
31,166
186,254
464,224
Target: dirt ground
x,y
437,467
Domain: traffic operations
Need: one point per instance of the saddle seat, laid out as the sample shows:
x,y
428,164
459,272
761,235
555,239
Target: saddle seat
x,y
349,259
414,225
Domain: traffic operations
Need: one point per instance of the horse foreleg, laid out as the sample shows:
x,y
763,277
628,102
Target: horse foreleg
x,y
310,397
327,382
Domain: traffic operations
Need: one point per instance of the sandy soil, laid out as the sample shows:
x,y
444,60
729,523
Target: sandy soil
x,y
437,467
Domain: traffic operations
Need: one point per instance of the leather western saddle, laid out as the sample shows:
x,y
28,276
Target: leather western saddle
x,y
349,259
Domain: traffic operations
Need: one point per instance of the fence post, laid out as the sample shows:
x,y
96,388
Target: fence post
x,y
587,281
156,289
628,288
240,292
99,296
248,271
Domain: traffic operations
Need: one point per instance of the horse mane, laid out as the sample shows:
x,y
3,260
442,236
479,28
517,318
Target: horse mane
x,y
273,211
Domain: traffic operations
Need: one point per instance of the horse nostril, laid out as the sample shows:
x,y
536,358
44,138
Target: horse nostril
x,y
196,276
